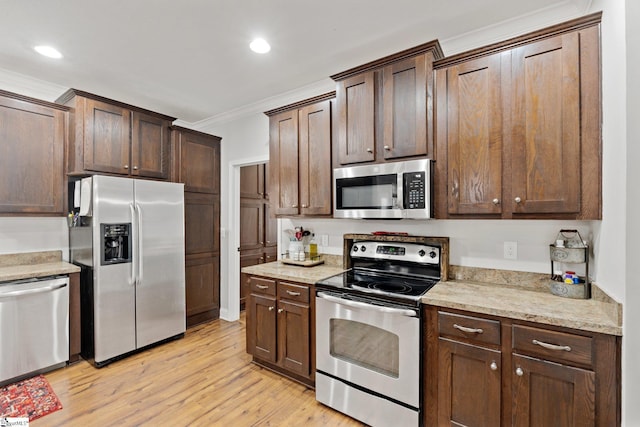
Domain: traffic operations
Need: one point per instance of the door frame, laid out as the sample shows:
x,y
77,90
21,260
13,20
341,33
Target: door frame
x,y
230,308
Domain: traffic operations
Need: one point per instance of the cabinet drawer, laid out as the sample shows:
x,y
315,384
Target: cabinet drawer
x,y
473,329
263,286
293,292
553,345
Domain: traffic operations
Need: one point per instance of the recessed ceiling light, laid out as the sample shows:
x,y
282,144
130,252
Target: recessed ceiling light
x,y
260,46
48,51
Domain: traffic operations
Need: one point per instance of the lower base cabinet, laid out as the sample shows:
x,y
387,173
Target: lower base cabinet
x,y
279,327
489,371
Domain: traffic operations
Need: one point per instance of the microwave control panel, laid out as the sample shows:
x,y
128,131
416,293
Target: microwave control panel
x,y
414,190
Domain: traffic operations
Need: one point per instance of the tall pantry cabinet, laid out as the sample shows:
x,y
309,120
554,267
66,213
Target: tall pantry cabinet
x,y
196,157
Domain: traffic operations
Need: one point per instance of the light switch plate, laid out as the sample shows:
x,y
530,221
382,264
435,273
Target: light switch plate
x,y
325,239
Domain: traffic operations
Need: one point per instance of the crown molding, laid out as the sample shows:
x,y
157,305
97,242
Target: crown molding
x,y
29,86
308,91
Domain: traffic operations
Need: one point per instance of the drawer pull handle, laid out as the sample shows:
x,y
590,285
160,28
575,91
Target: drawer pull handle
x,y
262,287
552,346
294,294
468,330
494,366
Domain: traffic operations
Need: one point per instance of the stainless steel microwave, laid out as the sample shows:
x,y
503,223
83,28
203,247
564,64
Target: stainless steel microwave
x,y
398,190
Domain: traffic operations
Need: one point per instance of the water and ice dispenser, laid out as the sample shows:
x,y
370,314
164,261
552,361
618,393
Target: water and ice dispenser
x,y
115,243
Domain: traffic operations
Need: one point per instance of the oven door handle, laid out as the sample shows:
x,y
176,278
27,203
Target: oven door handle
x,y
358,304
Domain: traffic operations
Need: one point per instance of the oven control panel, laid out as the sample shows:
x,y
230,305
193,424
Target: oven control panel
x,y
411,252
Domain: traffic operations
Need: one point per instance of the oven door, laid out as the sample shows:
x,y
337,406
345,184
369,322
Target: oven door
x,y
371,346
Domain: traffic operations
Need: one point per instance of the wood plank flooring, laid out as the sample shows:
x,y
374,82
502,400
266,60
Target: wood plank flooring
x,y
204,379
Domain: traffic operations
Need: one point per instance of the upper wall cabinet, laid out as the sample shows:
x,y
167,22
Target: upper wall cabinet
x,y
32,138
518,127
300,157
385,107
196,158
111,137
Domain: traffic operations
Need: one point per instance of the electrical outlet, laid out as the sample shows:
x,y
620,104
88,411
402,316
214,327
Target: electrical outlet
x,y
325,239
510,250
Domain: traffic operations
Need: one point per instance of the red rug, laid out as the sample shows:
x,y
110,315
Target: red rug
x,y
31,398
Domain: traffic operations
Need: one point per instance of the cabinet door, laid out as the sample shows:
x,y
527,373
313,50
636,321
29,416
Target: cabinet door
x,y
546,126
356,119
293,337
550,394
32,139
405,107
315,158
283,159
252,181
248,258
107,142
199,163
261,327
150,146
474,146
202,223
202,285
251,224
270,228
469,385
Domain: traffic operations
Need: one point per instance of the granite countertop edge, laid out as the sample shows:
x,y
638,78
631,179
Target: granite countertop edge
x,y
28,271
306,275
528,305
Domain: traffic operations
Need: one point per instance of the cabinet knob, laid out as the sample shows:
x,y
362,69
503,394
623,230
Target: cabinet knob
x,y
518,199
126,166
496,201
387,148
519,371
304,206
294,206
271,308
369,150
280,310
268,242
262,243
494,366
135,168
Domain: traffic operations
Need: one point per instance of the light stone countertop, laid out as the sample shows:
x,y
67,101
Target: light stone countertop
x,y
525,304
308,275
34,264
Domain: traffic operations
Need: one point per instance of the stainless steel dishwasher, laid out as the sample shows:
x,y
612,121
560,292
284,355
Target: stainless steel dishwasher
x,y
34,326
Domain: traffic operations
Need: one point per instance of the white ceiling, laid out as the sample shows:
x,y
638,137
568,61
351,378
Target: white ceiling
x,y
190,58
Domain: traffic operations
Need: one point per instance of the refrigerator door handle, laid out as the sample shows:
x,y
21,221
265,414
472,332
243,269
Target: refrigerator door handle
x,y
134,235
140,254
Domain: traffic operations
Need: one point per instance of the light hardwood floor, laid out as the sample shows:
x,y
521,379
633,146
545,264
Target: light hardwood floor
x,y
204,379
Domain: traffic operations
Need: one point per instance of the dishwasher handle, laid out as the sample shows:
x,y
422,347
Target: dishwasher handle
x,y
52,286
357,304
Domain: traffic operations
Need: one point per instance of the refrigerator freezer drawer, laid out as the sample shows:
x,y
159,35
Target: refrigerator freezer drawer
x,y
34,326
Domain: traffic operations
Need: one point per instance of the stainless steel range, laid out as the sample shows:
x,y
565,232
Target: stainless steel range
x,y
368,331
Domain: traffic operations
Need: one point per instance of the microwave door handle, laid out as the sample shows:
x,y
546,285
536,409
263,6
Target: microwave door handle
x,y
358,304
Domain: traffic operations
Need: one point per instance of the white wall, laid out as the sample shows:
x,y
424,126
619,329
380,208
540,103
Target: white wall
x,y
34,235
631,341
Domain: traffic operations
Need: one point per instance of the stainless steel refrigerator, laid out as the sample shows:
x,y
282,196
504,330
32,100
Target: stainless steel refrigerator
x,y
129,241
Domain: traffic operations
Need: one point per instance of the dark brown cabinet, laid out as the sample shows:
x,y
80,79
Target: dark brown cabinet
x,y
488,371
258,228
517,127
112,137
32,144
197,164
300,158
279,327
385,107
